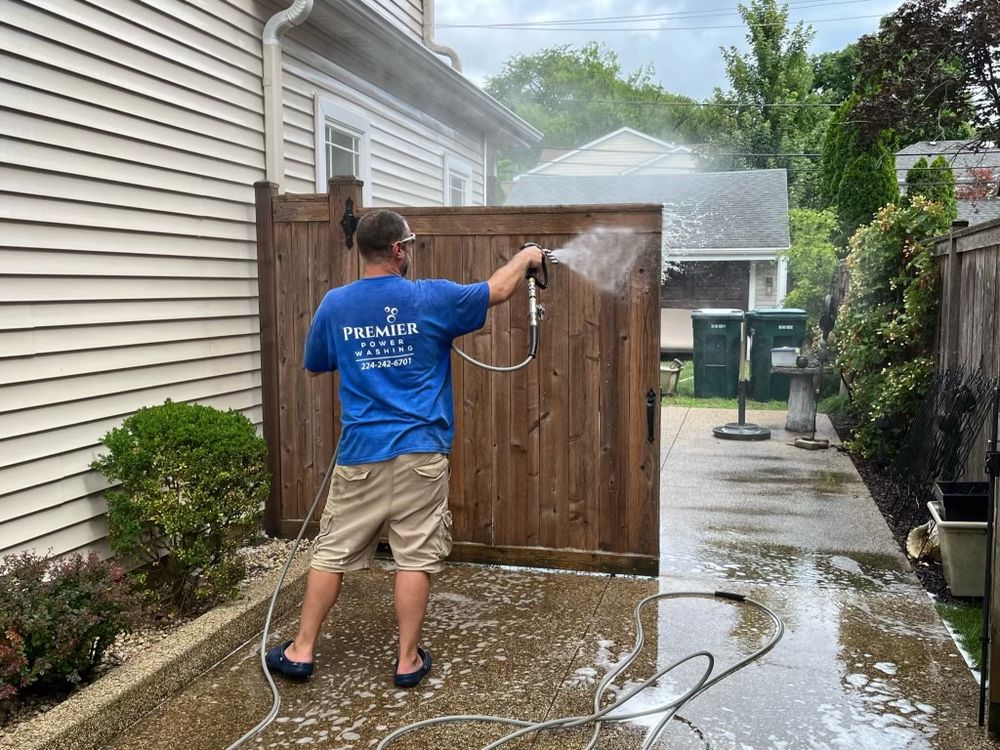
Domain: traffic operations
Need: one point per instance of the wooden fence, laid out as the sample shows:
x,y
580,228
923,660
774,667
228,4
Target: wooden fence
x,y
554,465
969,262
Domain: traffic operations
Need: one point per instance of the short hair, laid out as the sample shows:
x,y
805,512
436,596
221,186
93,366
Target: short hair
x,y
376,232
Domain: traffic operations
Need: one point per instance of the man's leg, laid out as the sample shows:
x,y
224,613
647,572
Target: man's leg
x,y
412,590
322,589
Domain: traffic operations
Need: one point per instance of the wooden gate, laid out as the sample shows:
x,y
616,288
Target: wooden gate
x,y
555,465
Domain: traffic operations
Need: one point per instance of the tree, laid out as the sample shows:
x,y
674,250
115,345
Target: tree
x,y
936,183
857,177
835,73
577,95
812,260
983,183
868,184
930,70
777,112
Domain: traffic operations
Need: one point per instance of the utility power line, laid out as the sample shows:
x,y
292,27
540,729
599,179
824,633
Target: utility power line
x,y
708,12
528,27
723,105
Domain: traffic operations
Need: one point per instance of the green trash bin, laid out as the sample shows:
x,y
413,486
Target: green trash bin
x,y
771,328
717,335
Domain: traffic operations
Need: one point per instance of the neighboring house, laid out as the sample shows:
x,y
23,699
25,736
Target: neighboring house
x,y
623,152
976,168
723,235
132,133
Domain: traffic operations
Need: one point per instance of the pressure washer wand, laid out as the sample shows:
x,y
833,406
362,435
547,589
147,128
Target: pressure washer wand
x,y
536,312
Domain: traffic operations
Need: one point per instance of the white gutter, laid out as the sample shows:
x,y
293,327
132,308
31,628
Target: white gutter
x,y
429,37
274,137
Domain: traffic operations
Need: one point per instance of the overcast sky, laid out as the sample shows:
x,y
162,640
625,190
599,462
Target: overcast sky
x,y
686,59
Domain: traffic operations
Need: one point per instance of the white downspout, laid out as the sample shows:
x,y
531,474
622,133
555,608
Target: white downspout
x,y
429,42
274,135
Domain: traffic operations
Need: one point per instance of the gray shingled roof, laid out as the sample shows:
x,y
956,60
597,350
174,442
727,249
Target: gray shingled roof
x,y
960,155
704,210
977,212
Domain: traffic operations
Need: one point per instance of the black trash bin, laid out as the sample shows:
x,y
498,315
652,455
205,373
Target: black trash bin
x,y
717,335
771,328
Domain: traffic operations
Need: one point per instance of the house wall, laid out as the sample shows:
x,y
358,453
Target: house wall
x,y
407,15
132,134
408,147
614,156
722,284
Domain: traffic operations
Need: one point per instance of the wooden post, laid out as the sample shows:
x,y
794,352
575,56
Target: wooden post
x,y
268,321
954,320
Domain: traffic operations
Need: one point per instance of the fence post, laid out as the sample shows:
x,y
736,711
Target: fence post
x,y
265,193
953,327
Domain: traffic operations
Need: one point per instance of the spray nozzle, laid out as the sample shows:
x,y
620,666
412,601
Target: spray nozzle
x,y
542,280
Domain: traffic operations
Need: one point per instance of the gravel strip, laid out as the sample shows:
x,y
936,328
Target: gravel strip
x,y
261,559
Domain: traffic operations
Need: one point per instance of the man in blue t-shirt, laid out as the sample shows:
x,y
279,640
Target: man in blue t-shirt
x,y
390,340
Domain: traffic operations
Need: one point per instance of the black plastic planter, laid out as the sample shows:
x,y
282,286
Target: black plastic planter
x,y
962,501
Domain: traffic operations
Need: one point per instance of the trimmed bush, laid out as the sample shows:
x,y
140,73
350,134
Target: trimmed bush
x,y
193,483
57,617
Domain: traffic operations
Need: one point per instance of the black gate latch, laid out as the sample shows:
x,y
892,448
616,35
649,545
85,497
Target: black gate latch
x,y
349,223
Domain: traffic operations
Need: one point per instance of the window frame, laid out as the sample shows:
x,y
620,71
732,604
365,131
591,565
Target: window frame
x,y
461,167
348,121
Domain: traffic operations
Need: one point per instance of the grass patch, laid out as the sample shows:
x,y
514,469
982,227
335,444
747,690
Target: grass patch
x,y
833,404
967,622
685,396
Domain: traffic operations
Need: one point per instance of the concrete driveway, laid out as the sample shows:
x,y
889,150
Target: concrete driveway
x,y
865,661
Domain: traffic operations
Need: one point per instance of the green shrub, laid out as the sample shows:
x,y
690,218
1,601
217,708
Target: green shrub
x,y
57,617
886,330
193,482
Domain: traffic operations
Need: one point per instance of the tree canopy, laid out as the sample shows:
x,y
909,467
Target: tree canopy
x,y
778,112
575,95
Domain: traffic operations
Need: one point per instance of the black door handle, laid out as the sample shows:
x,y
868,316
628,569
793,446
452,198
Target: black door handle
x,y
650,415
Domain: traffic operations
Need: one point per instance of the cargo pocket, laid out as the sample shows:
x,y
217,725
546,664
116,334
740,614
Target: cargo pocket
x,y
442,535
347,488
352,473
432,466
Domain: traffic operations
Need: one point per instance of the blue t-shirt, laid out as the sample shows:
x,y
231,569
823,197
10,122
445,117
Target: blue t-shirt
x,y
390,339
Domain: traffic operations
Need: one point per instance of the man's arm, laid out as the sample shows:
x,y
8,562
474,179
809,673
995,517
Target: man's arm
x,y
505,279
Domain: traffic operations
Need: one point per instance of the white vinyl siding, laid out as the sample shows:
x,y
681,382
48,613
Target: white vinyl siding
x,y
407,146
407,15
622,153
131,140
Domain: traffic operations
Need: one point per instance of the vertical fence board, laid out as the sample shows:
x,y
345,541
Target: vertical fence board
x,y
554,422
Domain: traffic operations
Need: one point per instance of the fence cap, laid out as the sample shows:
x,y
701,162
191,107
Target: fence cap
x,y
717,312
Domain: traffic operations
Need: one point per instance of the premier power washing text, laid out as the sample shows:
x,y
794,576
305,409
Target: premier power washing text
x,y
382,346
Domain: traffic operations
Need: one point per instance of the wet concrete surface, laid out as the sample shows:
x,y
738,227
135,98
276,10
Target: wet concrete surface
x,y
865,661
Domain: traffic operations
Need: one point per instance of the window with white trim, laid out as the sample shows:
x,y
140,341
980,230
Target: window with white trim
x,y
457,181
343,145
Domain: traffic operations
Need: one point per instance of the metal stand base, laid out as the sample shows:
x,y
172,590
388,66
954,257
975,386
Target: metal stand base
x,y
812,444
741,430
737,431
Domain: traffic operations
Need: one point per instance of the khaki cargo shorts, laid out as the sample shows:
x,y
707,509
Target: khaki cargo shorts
x,y
408,495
